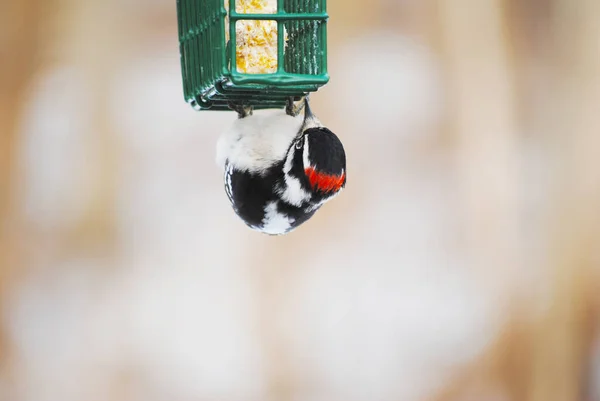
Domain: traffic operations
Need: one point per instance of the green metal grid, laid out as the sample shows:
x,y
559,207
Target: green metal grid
x,y
210,78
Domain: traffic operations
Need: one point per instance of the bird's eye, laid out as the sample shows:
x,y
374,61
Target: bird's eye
x,y
299,144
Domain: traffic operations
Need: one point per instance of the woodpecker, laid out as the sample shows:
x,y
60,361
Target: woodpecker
x,y
280,168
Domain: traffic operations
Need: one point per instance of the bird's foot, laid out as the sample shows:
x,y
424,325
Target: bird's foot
x,y
294,109
243,110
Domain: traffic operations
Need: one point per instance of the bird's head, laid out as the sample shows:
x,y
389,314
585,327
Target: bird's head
x,y
317,158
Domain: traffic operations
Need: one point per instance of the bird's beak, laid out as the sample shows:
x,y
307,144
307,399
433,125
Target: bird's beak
x,y
310,120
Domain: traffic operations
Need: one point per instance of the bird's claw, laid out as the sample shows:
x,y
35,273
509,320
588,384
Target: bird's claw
x,y
294,109
243,110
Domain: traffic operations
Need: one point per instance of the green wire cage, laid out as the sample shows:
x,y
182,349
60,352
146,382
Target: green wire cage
x,y
211,79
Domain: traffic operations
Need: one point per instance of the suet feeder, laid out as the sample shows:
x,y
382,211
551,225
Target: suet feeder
x,y
255,53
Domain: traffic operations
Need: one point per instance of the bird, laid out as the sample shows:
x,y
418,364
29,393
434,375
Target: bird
x,y
280,168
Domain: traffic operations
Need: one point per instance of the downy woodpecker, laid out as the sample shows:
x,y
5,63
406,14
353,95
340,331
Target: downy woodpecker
x,y
280,168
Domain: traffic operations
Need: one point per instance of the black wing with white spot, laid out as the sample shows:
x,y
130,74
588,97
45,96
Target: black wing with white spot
x,y
228,184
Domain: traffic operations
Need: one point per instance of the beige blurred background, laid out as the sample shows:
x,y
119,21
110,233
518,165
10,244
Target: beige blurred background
x,y
460,264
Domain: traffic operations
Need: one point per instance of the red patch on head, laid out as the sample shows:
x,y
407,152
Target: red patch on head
x,y
325,182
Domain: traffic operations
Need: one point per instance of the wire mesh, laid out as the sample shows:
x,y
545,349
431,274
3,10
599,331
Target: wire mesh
x,y
208,59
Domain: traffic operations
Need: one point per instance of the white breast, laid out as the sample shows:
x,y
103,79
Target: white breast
x,y
257,142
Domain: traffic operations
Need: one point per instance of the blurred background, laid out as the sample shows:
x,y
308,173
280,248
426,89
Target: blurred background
x,y
460,264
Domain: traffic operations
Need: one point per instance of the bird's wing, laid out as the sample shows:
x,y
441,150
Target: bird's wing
x,y
228,184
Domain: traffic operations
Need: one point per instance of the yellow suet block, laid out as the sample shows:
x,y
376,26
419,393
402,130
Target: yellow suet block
x,y
256,41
